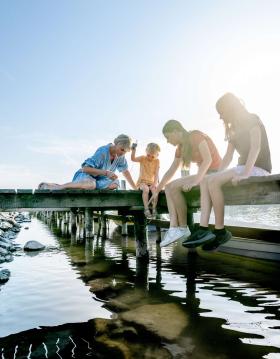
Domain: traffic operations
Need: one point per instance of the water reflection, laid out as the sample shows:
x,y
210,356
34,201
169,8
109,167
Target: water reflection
x,y
232,304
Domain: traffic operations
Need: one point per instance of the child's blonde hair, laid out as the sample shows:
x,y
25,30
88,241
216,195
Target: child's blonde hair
x,y
152,148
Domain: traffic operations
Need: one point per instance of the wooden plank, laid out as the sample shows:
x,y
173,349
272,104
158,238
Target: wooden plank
x,y
29,191
76,199
252,248
7,191
256,190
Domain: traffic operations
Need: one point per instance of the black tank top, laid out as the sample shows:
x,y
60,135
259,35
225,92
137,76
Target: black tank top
x,y
241,141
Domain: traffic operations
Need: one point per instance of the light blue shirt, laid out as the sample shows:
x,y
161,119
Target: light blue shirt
x,y
101,160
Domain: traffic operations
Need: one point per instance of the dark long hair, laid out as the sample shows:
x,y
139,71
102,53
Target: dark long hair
x,y
236,107
173,125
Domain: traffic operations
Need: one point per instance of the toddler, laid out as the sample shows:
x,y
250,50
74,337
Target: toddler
x,y
148,177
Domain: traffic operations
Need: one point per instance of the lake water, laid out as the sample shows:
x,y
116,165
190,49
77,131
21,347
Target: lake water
x,y
231,304
265,216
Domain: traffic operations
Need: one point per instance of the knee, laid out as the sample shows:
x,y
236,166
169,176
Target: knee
x,y
145,189
89,186
172,189
168,188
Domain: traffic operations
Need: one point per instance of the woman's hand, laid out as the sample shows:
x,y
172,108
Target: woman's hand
x,y
111,175
189,185
153,187
237,178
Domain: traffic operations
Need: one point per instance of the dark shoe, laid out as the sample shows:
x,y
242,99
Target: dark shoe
x,y
198,238
221,238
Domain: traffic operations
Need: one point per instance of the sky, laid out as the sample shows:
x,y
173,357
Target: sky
x,y
75,74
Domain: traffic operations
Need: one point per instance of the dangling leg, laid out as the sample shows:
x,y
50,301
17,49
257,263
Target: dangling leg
x,y
202,234
145,197
177,211
154,203
215,183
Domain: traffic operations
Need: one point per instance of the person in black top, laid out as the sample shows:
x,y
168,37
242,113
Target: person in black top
x,y
245,134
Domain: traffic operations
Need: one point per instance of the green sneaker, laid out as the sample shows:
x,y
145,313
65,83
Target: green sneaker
x,y
198,238
221,238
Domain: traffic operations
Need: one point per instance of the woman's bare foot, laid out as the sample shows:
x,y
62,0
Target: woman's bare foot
x,y
45,185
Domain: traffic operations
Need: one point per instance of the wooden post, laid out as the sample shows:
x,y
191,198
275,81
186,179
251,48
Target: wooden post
x,y
103,225
89,222
124,223
191,272
59,221
142,274
158,240
73,218
158,267
52,216
141,235
124,228
96,225
66,217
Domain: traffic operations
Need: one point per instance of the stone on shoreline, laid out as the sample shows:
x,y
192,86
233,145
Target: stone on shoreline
x,y
5,225
4,275
33,246
3,252
9,227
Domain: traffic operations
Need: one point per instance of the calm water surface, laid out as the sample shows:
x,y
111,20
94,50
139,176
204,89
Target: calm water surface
x,y
232,303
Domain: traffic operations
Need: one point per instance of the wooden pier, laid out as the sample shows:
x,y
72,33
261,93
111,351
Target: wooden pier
x,y
128,204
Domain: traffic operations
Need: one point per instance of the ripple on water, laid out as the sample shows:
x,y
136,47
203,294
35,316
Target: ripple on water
x,y
44,289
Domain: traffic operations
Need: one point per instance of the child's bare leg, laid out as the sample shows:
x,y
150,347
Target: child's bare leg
x,y
155,200
145,194
215,182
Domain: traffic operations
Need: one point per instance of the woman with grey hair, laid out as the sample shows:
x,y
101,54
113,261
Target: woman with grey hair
x,y
98,171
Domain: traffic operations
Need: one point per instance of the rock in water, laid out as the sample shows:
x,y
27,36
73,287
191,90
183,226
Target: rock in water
x,y
165,320
33,246
4,275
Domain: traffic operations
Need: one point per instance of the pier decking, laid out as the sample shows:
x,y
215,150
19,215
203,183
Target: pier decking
x,y
253,191
256,190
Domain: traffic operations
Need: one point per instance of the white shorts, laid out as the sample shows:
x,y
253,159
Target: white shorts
x,y
256,171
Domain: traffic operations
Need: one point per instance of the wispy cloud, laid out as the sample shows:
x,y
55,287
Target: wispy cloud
x,y
69,151
53,159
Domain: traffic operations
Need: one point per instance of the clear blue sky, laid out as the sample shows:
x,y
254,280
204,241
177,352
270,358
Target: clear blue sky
x,y
75,74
